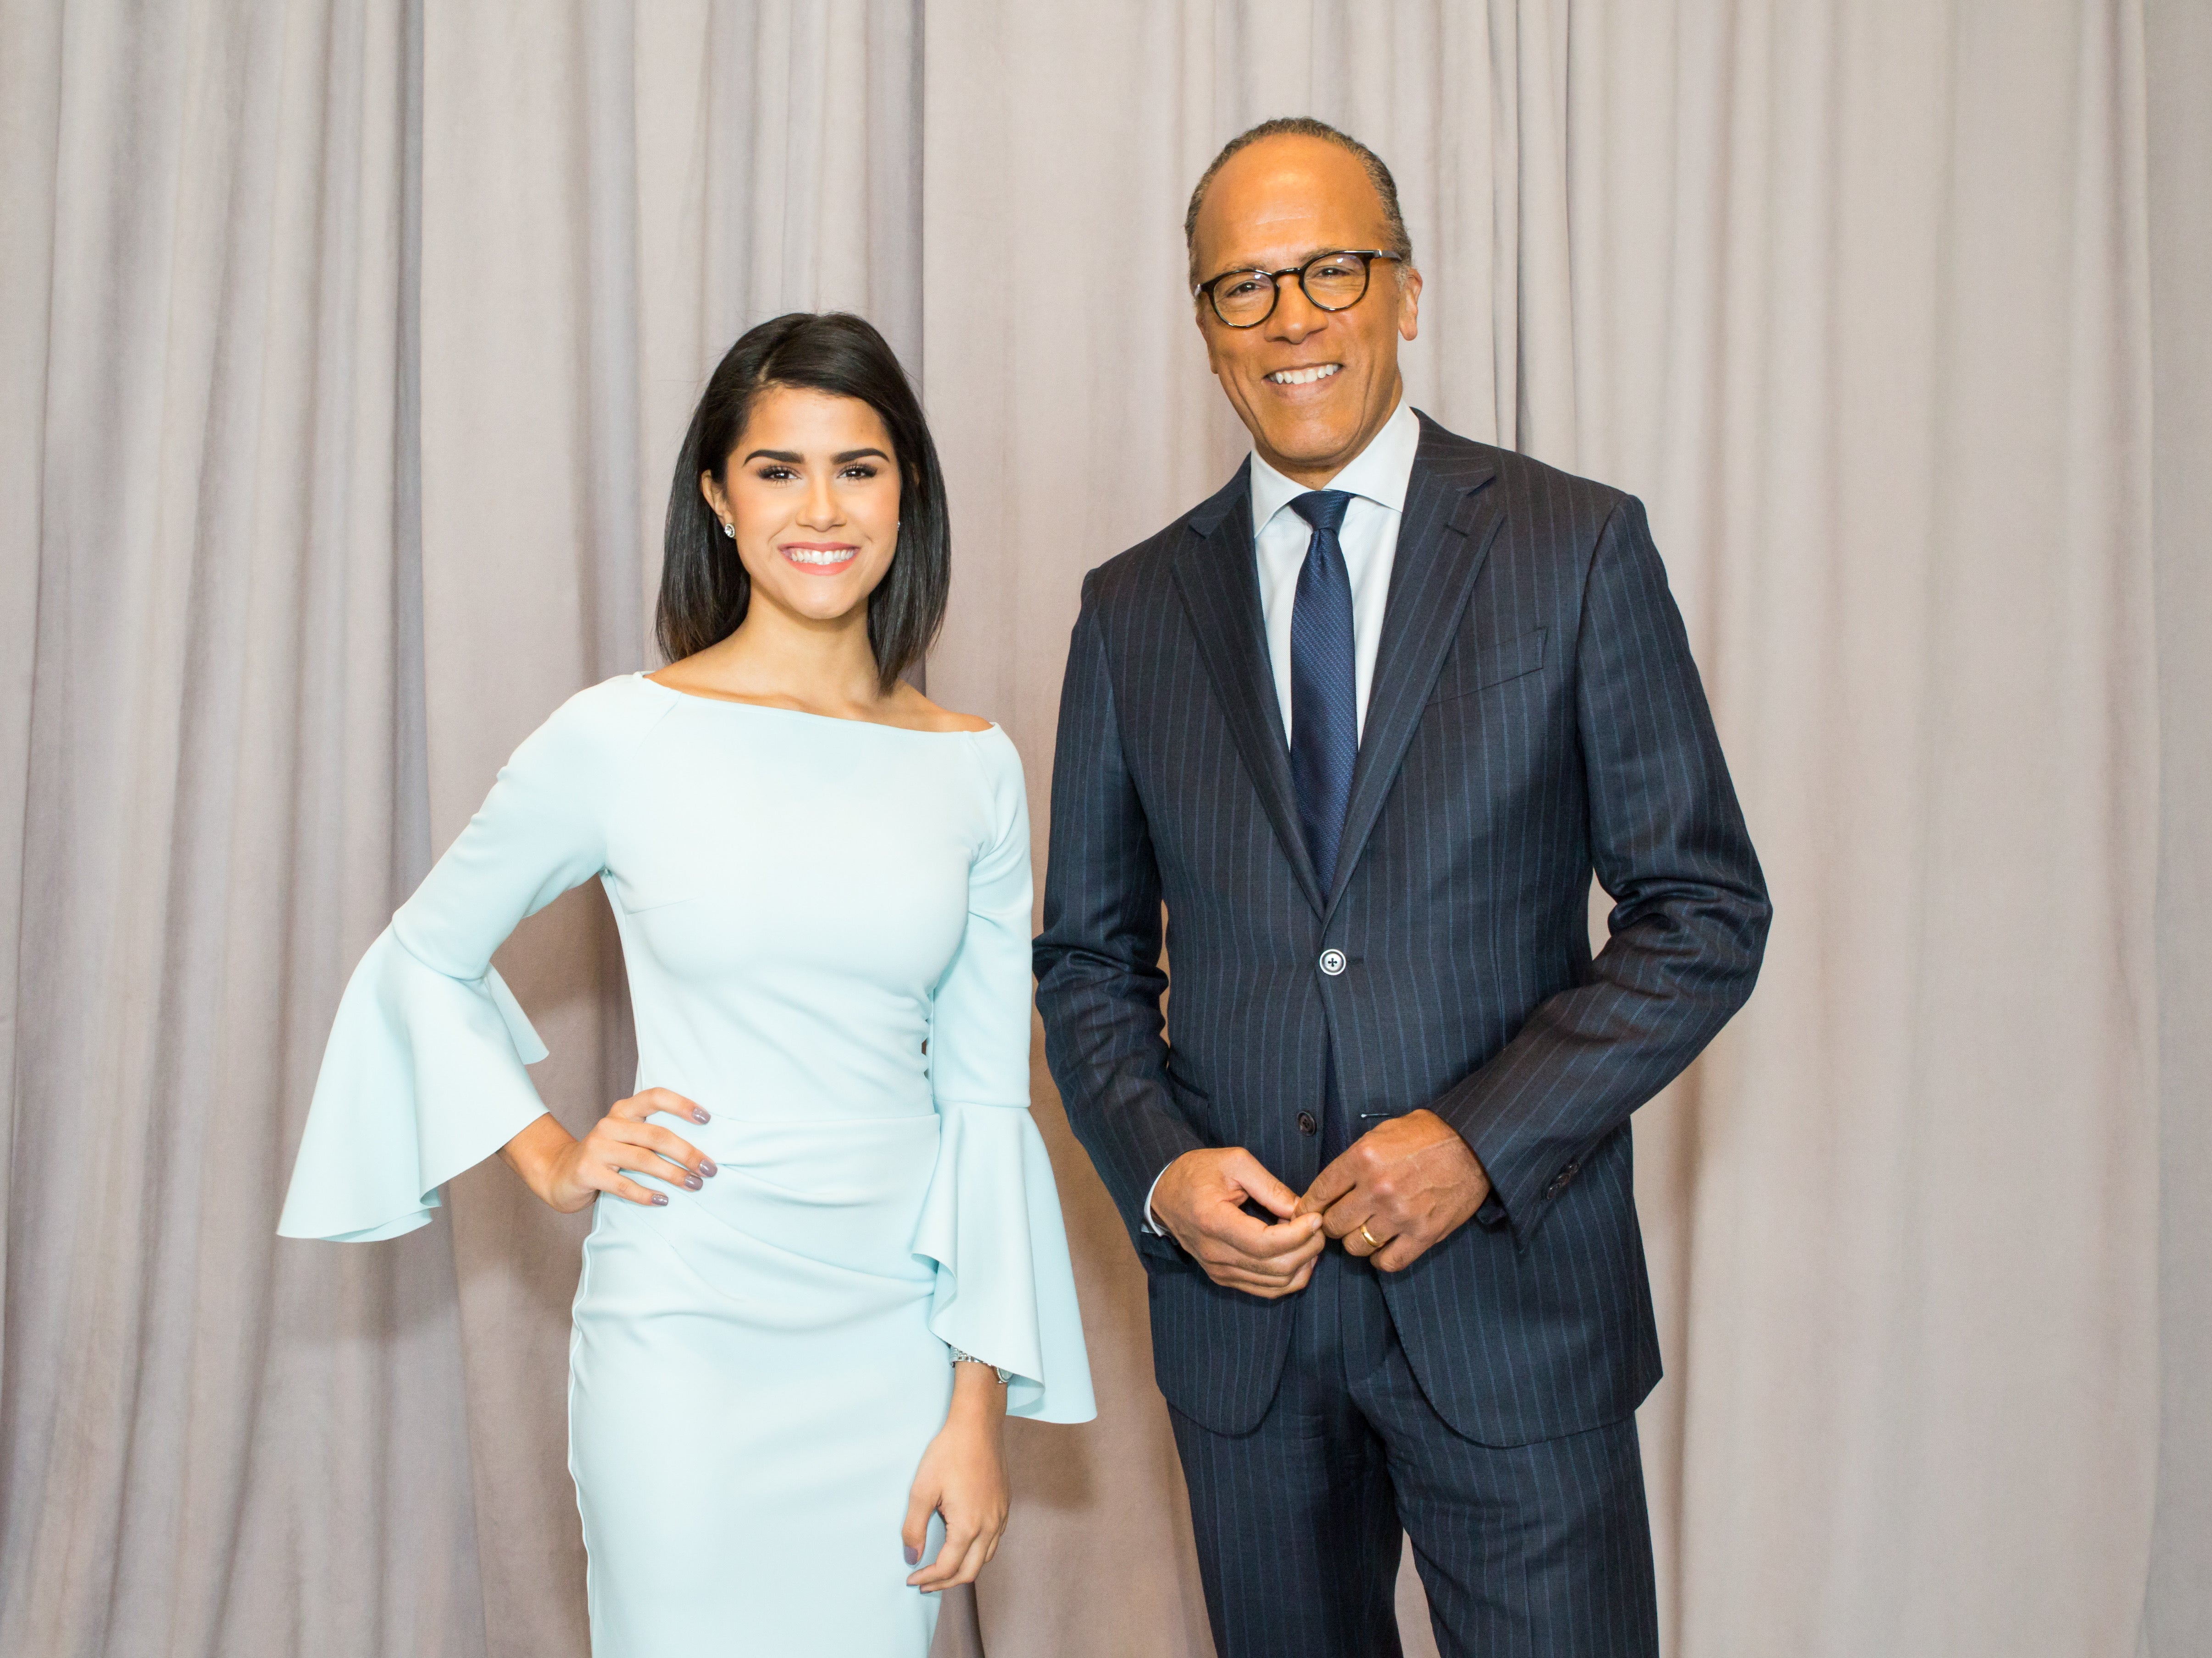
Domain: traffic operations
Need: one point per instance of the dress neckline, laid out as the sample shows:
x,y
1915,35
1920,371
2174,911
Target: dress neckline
x,y
643,679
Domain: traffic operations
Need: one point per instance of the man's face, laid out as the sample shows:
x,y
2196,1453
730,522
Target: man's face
x,y
1275,204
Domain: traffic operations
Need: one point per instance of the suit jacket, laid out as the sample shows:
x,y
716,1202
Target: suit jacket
x,y
1534,717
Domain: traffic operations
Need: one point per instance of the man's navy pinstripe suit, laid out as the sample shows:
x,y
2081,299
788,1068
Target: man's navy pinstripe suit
x,y
1534,717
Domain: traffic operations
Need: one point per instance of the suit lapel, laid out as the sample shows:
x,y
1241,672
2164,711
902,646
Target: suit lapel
x,y
1220,582
1443,538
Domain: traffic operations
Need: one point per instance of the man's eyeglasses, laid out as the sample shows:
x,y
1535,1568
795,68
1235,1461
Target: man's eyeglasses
x,y
1333,281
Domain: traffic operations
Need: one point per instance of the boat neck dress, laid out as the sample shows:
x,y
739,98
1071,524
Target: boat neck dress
x,y
826,926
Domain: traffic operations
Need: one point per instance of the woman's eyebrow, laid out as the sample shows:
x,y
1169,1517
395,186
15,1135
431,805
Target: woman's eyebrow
x,y
792,458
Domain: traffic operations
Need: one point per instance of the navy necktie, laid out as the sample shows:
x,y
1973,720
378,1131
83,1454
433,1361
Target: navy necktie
x,y
1324,683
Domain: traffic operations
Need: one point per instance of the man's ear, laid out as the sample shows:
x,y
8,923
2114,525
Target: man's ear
x,y
1409,303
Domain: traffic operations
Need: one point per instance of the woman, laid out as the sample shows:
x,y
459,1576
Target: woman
x,y
827,1255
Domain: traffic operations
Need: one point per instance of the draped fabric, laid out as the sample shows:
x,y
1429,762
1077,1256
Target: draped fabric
x,y
343,352
212,1441
2179,1612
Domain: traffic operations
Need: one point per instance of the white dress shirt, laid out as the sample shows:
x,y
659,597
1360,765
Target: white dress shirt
x,y
1376,478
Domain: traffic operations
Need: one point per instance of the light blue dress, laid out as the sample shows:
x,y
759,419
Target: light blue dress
x,y
826,925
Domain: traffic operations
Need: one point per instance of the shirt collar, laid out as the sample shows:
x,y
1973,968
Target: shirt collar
x,y
1381,472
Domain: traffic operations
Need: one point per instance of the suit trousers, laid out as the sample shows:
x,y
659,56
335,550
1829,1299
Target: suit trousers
x,y
1536,1551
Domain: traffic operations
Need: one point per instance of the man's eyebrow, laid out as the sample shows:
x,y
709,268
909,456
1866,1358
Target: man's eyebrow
x,y
1303,260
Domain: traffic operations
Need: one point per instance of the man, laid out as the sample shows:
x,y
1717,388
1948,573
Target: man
x,y
1366,722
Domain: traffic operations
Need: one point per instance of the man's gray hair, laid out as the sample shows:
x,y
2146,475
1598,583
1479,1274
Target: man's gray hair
x,y
1304,126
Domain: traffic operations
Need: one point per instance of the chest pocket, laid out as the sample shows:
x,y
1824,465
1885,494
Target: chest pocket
x,y
1475,668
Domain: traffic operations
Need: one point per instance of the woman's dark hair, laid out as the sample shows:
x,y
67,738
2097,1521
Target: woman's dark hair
x,y
704,590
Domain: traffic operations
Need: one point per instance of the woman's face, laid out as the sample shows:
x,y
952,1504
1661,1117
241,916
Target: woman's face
x,y
813,488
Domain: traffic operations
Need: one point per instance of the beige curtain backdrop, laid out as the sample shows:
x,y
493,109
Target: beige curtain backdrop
x,y
343,351
2179,39
209,1442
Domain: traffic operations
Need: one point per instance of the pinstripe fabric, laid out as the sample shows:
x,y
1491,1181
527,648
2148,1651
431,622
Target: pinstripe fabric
x,y
1537,1550
1535,716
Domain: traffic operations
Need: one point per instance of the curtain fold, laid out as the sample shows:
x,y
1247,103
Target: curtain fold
x,y
1895,435
212,1443
2178,1619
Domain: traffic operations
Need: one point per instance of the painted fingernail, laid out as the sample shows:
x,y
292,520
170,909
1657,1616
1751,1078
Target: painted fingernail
x,y
698,1115
660,1197
913,1557
708,1169
693,1181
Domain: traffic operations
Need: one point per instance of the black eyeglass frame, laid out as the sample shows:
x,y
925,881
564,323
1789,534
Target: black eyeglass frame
x,y
1366,256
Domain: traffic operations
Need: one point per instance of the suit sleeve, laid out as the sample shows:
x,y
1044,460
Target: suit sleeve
x,y
1097,961
1688,927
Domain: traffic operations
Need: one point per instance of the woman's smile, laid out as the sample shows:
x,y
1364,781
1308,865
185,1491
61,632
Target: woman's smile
x,y
821,557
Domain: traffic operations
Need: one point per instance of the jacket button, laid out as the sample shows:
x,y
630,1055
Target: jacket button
x,y
1332,962
1306,1123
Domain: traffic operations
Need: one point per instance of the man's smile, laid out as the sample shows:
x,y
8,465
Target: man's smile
x,y
1304,376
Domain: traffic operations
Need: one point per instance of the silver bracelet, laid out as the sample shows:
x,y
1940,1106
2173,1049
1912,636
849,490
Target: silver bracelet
x,y
1005,1375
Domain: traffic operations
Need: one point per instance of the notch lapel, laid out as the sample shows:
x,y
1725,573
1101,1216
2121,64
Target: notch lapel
x,y
1444,538
1216,570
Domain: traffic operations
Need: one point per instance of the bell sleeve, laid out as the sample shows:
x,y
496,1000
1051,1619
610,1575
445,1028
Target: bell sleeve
x,y
991,1220
425,1074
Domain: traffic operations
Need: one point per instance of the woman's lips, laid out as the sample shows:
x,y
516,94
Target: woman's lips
x,y
826,558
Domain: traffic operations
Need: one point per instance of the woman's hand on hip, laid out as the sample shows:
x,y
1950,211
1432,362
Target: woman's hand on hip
x,y
568,1173
963,1477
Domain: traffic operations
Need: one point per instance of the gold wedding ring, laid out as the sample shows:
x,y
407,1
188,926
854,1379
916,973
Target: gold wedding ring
x,y
1373,1243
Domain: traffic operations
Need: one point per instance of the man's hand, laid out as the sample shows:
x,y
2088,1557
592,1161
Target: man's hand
x,y
1200,1201
1410,1182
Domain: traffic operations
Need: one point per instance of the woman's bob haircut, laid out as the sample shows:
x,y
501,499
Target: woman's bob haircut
x,y
704,589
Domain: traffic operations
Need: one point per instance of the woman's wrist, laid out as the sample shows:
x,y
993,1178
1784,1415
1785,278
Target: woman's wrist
x,y
978,1395
535,1153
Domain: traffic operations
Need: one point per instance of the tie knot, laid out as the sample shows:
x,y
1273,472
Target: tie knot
x,y
1323,508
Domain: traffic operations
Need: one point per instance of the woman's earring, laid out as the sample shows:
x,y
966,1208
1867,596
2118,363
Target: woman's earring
x,y
729,529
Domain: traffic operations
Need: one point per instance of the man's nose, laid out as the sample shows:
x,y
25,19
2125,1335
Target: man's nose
x,y
1296,316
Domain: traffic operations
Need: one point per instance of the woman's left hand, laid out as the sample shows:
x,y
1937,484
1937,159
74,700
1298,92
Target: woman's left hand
x,y
963,1477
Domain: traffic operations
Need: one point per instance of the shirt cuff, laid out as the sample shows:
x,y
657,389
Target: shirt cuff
x,y
1152,1225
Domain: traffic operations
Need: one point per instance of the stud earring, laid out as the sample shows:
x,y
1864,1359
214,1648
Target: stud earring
x,y
729,529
